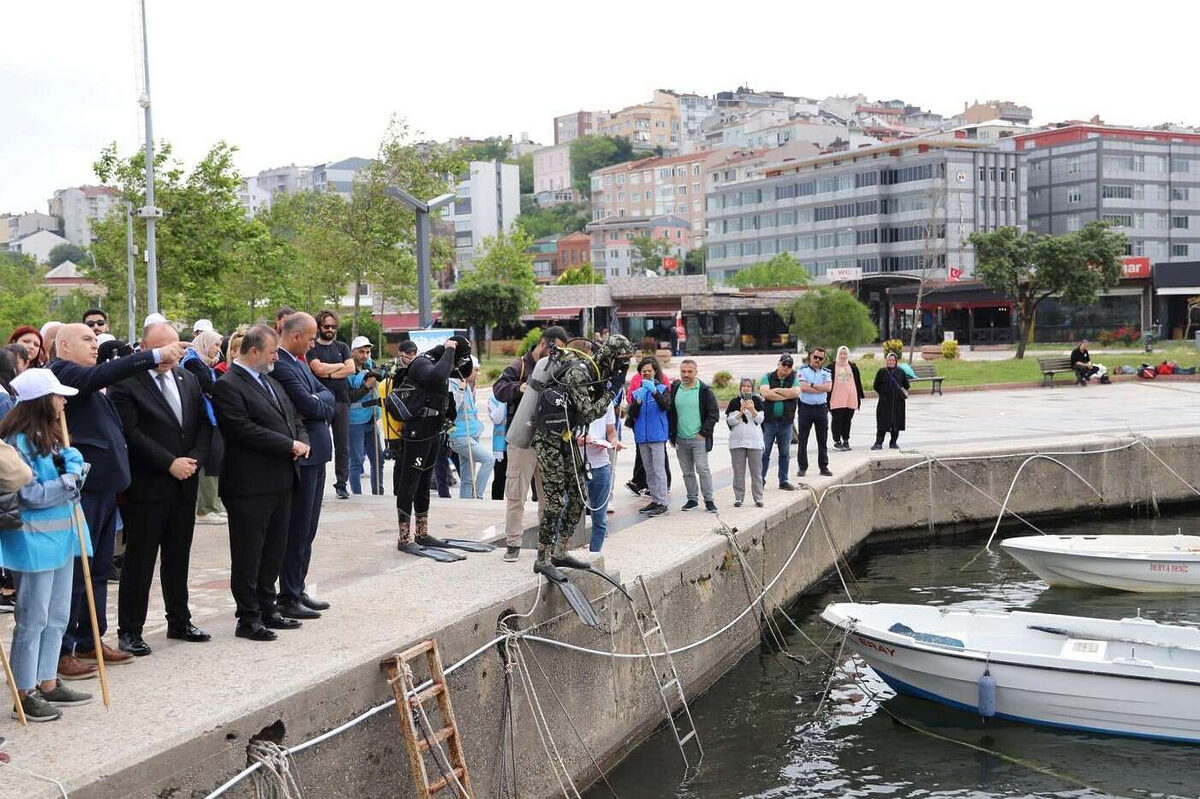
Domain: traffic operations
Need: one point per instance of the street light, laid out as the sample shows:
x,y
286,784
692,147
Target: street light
x,y
422,209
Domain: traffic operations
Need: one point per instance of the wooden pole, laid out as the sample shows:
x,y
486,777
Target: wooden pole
x,y
78,522
12,686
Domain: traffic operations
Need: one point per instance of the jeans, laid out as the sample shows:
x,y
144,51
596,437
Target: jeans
x,y
814,416
43,606
693,461
654,457
777,430
598,490
472,455
364,444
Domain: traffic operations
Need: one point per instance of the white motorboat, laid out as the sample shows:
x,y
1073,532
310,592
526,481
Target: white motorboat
x,y
1132,677
1145,563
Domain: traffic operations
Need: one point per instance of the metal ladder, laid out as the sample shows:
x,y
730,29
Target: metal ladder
x,y
418,740
683,733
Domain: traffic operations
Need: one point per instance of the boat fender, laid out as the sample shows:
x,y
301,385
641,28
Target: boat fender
x,y
987,694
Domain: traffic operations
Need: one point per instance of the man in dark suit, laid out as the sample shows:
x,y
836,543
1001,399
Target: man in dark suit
x,y
315,404
96,432
167,430
263,440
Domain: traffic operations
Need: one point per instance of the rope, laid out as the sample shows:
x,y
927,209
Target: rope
x,y
435,747
19,770
275,779
543,725
748,574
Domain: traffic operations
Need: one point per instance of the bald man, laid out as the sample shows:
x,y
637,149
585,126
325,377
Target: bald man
x,y
166,426
95,430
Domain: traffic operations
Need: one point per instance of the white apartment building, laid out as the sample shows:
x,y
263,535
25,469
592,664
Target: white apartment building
x,y
78,207
338,176
487,201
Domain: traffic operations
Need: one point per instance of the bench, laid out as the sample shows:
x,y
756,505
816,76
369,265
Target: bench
x,y
926,374
1054,366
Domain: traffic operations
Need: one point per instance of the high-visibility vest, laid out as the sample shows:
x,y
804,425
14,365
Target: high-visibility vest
x,y
393,429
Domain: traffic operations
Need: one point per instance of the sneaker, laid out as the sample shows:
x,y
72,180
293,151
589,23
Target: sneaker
x,y
645,492
876,446
837,445
826,473
112,657
657,510
737,503
72,668
758,503
786,486
37,709
802,472
633,489
342,493
845,446
648,508
62,696
691,504
511,554
710,506
209,518
7,603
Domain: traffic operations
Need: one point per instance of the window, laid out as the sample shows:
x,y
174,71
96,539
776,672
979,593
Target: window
x,y
982,174
620,180
1127,162
1074,195
1179,250
867,236
1179,193
1181,165
1073,165
1118,220
1110,192
1179,223
890,177
866,179
1074,223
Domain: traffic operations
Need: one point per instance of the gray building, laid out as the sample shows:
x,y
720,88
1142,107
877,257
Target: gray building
x,y
881,210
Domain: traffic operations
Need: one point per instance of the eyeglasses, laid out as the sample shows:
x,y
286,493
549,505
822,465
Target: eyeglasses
x,y
329,327
96,323
818,358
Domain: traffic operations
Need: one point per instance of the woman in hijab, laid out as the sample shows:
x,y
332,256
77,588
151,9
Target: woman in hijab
x,y
844,399
202,358
891,386
744,415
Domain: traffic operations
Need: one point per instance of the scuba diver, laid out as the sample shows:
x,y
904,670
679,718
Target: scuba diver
x,y
422,402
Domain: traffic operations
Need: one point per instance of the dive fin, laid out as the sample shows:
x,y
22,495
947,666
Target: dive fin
x,y
568,562
454,543
575,598
433,553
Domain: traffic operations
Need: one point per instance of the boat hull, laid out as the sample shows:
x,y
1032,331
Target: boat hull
x,y
1147,571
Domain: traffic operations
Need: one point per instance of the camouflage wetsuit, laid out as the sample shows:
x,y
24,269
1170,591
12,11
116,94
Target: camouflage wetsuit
x,y
589,396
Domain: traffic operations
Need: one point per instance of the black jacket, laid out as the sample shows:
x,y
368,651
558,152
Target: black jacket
x,y
156,438
94,425
258,435
507,387
710,413
430,371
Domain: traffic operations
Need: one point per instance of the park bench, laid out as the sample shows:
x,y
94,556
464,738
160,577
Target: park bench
x,y
1053,366
926,374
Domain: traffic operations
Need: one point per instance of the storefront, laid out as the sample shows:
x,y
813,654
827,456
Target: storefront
x,y
973,313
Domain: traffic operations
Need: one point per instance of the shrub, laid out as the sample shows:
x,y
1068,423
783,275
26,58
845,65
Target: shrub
x,y
722,379
949,350
530,341
493,374
1104,338
867,356
893,345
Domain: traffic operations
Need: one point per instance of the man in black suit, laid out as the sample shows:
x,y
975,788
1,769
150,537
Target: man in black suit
x,y
263,440
96,432
167,430
315,404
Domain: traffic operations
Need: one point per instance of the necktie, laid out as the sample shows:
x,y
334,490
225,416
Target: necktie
x,y
164,384
262,381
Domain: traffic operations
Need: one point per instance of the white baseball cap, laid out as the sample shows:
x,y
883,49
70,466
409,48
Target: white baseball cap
x,y
105,337
154,319
202,325
34,383
360,341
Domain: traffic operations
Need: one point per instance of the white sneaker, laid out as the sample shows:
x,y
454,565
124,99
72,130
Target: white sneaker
x,y
210,518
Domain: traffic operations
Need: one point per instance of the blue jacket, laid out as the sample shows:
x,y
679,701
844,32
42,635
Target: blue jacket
x,y
47,538
467,422
358,413
314,405
652,422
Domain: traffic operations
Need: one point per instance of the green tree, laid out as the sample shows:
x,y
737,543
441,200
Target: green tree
x,y
525,165
503,259
23,299
561,218
830,318
580,276
295,221
1029,268
782,270
484,304
67,252
258,278
589,153
367,325
648,253
493,148
695,261
74,304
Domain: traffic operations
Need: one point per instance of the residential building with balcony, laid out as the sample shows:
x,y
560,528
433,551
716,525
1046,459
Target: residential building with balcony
x,y
487,202
569,127
338,176
253,197
552,176
78,207
18,226
545,258
613,252
652,187
647,126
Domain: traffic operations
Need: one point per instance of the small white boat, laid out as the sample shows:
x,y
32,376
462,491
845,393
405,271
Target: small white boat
x,y
1132,677
1144,563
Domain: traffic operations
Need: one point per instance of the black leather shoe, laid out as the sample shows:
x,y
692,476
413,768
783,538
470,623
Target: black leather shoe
x,y
279,622
255,632
342,493
313,604
133,644
190,633
295,610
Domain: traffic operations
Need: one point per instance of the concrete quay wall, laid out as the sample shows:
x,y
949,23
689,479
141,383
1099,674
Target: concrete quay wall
x,y
697,586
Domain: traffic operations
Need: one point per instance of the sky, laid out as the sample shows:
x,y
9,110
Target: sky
x,y
308,82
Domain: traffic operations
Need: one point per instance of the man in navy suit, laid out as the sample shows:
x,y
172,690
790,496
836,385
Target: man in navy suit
x,y
96,432
315,406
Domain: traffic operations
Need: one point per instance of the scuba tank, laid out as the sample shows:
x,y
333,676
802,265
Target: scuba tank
x,y
520,432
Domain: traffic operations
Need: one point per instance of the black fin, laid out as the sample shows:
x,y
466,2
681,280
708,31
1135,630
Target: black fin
x,y
454,543
568,562
433,553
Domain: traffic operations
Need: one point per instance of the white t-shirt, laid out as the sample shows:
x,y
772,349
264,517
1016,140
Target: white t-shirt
x,y
598,431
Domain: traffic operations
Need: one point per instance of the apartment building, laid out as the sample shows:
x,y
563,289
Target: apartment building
x,y
652,187
1006,110
487,202
78,207
569,127
338,176
18,226
613,252
647,126
552,175
875,211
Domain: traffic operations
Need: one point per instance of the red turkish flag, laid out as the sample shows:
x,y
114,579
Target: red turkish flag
x,y
954,273
670,263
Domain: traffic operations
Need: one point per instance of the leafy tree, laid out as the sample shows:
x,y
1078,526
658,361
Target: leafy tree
x,y
23,299
650,252
695,260
492,148
485,304
580,276
782,270
1029,268
830,318
67,252
74,304
525,165
589,153
503,259
367,325
561,218
294,221
258,279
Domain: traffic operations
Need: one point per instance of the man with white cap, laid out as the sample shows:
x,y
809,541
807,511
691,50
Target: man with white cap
x,y
364,402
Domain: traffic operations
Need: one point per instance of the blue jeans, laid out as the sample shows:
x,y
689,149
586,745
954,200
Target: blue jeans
x,y
598,491
43,607
364,443
777,430
471,452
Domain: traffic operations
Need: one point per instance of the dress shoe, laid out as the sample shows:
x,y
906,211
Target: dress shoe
x,y
279,622
313,604
786,486
826,473
72,668
112,657
190,633
255,632
134,644
296,610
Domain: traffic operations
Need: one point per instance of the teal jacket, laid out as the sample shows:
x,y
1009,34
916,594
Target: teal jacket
x,y
47,538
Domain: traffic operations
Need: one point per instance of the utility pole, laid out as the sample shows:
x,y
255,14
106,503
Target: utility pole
x,y
423,210
150,212
130,281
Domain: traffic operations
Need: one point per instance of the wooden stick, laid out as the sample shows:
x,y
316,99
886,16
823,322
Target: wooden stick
x,y
78,522
12,686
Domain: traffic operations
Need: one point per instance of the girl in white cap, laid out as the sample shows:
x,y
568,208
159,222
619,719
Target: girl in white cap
x,y
42,550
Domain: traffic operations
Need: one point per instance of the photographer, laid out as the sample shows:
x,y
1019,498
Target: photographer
x,y
364,404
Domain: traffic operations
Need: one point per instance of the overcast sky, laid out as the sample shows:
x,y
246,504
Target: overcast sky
x,y
307,82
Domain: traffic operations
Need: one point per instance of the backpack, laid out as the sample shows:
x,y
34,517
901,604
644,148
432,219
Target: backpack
x,y
1146,372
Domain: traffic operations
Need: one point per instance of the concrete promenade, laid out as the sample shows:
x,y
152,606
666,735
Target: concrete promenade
x,y
180,717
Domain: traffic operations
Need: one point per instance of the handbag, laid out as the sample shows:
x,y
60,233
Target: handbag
x,y
10,510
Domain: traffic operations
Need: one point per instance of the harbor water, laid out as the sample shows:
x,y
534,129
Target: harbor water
x,y
766,733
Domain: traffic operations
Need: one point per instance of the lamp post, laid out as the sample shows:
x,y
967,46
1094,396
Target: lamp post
x,y
130,293
150,212
422,209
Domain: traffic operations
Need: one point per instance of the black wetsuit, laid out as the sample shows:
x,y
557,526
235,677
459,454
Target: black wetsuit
x,y
422,435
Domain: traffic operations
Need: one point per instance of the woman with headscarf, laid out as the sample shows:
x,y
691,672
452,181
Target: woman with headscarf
x,y
203,355
891,386
744,415
29,338
844,399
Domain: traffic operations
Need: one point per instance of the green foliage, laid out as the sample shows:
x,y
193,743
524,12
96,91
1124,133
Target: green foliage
x,y
483,304
525,165
74,304
868,356
493,374
582,275
67,252
589,153
367,326
530,341
492,148
503,259
562,218
830,318
722,379
23,300
949,350
782,270
893,345
1029,267
695,260
648,252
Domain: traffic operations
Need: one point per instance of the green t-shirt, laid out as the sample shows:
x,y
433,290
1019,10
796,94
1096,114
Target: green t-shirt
x,y
687,411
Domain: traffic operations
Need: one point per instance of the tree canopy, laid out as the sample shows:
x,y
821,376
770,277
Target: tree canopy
x,y
483,304
561,218
830,318
505,259
67,252
782,270
583,275
589,153
23,299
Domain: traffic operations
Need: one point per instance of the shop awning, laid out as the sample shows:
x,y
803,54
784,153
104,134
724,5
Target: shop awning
x,y
653,308
1181,278
546,314
393,322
